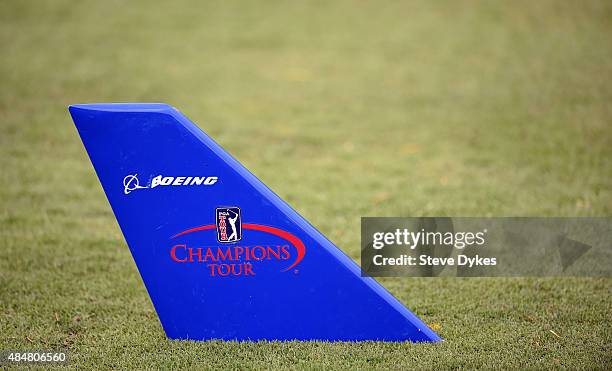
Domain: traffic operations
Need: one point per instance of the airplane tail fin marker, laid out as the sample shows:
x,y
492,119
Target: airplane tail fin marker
x,y
221,255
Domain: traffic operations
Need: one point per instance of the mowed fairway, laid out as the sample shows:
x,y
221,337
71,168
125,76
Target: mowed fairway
x,y
345,109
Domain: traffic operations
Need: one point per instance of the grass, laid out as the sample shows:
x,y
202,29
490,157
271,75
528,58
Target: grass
x,y
345,109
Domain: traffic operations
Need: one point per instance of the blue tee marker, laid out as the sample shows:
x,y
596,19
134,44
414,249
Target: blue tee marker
x,y
220,254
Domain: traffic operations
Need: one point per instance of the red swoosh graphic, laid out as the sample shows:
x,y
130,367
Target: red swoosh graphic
x,y
299,245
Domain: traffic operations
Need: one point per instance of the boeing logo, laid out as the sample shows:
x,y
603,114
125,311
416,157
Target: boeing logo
x,y
131,182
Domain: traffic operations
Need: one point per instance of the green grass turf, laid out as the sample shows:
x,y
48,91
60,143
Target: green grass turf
x,y
345,109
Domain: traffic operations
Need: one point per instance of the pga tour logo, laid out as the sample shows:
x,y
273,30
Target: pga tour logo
x,y
229,224
240,259
131,182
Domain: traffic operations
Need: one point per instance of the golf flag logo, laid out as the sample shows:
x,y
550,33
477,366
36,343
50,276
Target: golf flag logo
x,y
229,224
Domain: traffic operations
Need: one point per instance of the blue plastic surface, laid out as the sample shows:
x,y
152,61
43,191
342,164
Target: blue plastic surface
x,y
276,278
